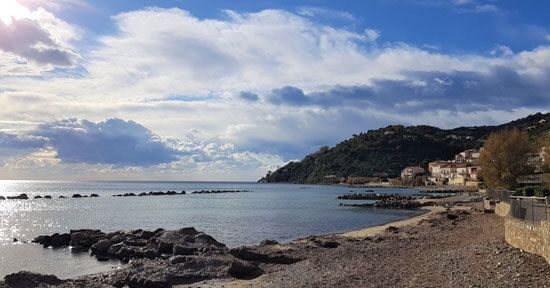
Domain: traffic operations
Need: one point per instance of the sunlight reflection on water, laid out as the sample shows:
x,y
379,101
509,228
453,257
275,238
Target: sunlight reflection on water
x,y
275,211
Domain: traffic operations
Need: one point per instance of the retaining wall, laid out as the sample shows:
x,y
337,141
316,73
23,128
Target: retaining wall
x,y
502,208
528,236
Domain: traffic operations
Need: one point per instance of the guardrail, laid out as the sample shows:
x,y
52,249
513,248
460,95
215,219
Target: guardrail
x,y
533,209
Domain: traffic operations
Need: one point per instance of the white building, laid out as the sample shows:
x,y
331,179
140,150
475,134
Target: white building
x,y
410,172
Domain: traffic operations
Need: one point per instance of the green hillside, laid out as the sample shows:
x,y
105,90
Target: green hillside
x,y
390,149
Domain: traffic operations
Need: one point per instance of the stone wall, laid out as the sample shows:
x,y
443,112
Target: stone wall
x,y
530,237
502,208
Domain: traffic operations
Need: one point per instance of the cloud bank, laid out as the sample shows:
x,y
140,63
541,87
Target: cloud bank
x,y
242,94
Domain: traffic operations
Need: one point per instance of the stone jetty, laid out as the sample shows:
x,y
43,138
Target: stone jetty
x,y
361,196
218,191
151,193
389,204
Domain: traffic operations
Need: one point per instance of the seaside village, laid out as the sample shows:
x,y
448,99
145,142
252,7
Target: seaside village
x,y
464,170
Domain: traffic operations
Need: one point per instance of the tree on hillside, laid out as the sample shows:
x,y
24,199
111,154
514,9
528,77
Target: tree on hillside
x,y
545,147
504,158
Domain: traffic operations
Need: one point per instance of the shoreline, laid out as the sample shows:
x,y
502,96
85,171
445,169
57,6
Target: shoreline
x,y
443,247
373,230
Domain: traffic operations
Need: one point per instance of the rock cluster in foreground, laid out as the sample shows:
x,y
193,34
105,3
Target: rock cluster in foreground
x,y
159,258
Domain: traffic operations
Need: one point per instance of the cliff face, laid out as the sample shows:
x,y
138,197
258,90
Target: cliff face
x,y
390,149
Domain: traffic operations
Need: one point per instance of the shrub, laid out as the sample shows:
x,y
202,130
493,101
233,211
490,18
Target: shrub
x,y
528,191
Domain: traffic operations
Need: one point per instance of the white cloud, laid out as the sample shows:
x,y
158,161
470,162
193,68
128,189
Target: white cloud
x,y
502,50
35,41
372,35
175,73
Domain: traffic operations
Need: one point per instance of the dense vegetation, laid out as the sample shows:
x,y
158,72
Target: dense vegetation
x,y
390,149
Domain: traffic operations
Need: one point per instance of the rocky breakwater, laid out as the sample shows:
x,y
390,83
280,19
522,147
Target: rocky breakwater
x,y
219,191
159,258
360,196
151,193
388,201
26,197
18,197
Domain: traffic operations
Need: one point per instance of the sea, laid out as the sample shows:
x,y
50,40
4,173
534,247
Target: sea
x,y
281,212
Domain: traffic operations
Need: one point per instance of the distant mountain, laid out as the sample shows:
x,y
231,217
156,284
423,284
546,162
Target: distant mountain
x,y
390,149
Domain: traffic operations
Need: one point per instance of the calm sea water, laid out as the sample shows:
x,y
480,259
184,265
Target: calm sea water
x,y
271,211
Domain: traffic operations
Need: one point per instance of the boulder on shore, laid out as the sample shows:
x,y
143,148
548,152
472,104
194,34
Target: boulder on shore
x,y
26,279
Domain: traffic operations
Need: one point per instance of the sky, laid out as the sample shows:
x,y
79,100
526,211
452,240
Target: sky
x,y
227,90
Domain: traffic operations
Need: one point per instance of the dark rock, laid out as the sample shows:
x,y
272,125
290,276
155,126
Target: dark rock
x,y
329,244
392,229
83,239
60,240
2,198
37,197
243,270
452,216
182,250
147,235
48,197
113,249
150,254
269,242
141,282
135,242
45,240
77,196
125,252
30,280
94,195
62,197
165,247
206,239
116,239
178,259
102,258
15,240
18,197
101,246
245,253
142,194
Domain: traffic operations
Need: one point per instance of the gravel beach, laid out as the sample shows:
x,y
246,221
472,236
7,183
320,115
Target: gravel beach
x,y
469,251
457,247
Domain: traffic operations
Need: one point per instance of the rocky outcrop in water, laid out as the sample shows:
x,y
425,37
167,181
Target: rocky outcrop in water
x,y
219,191
159,258
389,204
151,193
22,196
134,244
360,196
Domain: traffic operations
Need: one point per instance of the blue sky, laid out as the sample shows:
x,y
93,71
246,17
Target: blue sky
x,y
453,26
226,90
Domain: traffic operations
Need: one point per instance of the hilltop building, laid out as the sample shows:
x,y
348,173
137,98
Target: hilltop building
x,y
462,170
411,172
